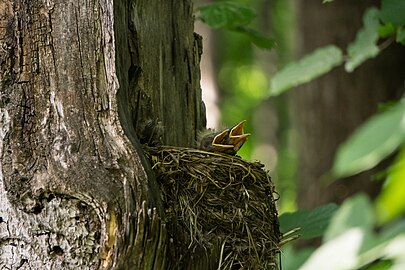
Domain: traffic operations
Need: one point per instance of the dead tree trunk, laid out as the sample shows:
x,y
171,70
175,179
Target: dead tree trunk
x,y
78,79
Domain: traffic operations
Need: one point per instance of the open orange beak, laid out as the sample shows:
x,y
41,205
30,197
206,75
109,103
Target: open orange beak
x,y
219,142
228,141
237,137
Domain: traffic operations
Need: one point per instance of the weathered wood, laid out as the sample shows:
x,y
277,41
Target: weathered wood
x,y
159,80
77,79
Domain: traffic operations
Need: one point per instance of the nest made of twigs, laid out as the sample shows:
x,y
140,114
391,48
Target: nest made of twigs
x,y
219,203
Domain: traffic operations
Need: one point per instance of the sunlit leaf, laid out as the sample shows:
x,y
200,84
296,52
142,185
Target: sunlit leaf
x,y
350,228
226,14
355,212
327,1
344,252
339,253
371,143
394,249
351,243
386,30
313,222
311,66
388,248
391,202
365,44
392,11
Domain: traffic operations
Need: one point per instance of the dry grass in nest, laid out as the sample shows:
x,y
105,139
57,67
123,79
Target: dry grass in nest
x,y
218,202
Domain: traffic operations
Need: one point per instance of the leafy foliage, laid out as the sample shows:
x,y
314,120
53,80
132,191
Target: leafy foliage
x,y
313,223
311,66
351,243
256,37
350,240
393,11
362,48
292,259
234,17
226,14
401,35
356,212
370,144
391,202
386,30
365,44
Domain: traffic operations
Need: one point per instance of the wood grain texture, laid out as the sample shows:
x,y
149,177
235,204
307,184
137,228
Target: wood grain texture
x,y
77,79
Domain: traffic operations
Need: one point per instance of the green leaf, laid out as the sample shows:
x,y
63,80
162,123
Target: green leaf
x,y
401,35
371,143
292,259
391,231
380,265
391,202
313,222
259,39
234,17
226,15
327,1
350,241
355,212
350,227
386,30
311,66
384,245
364,46
392,11
337,254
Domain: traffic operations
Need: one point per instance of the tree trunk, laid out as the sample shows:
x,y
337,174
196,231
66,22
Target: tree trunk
x,y
78,80
330,108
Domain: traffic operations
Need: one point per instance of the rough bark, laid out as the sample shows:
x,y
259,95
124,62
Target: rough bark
x,y
330,108
78,78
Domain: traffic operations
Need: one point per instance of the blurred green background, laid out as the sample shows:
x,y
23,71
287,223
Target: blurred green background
x,y
334,143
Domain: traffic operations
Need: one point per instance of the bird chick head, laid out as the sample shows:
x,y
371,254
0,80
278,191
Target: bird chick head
x,y
237,136
228,141
215,141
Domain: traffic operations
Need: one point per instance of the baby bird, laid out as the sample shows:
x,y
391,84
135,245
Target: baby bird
x,y
228,141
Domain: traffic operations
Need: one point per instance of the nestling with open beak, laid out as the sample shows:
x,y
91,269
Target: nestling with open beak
x,y
228,141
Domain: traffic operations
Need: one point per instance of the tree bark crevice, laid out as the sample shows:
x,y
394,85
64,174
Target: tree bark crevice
x,y
78,79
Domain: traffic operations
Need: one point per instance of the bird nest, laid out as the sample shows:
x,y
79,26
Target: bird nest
x,y
218,204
